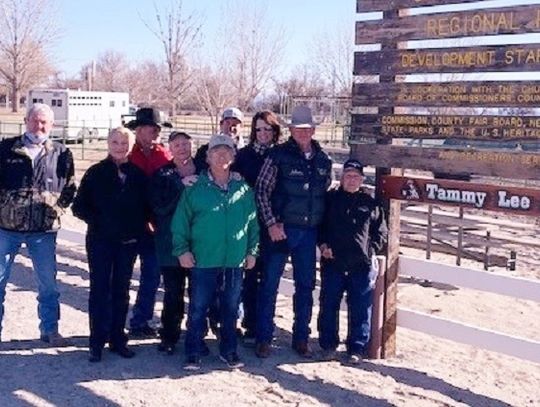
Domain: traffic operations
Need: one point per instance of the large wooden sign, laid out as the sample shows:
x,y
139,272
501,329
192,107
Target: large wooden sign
x,y
519,201
496,21
501,58
448,94
514,164
384,5
511,129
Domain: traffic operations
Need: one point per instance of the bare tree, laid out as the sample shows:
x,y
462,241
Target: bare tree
x,y
179,33
28,29
112,69
304,80
145,84
58,80
334,56
254,45
213,92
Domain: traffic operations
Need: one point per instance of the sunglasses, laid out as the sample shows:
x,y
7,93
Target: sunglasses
x,y
257,129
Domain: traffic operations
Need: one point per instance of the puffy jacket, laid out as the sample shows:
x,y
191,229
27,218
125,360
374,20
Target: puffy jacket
x,y
114,210
353,227
33,198
301,184
219,227
166,187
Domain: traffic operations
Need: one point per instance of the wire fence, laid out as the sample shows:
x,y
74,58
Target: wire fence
x,y
84,140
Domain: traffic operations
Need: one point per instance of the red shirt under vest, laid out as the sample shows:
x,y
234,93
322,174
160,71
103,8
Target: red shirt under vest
x,y
158,157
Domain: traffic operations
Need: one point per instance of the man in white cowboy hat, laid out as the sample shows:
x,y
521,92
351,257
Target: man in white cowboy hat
x,y
290,196
229,125
149,155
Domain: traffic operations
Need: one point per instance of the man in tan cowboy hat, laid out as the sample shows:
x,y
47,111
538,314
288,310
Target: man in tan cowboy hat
x,y
290,196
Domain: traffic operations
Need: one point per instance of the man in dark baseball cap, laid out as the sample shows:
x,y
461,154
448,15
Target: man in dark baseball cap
x,y
353,164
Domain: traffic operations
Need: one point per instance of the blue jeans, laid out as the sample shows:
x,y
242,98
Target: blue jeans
x,y
300,243
204,282
42,250
143,310
357,283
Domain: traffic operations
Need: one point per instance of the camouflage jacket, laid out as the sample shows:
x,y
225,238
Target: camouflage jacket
x,y
32,198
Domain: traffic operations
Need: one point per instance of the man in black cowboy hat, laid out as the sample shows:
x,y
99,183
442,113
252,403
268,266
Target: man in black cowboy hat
x,y
149,155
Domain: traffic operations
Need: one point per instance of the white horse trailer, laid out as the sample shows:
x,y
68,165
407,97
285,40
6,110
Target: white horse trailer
x,y
82,115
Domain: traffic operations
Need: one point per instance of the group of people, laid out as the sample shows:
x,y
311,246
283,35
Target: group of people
x,y
221,224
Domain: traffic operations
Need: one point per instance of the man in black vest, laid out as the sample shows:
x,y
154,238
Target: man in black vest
x,y
290,195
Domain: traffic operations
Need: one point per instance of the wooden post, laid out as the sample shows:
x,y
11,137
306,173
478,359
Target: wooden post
x,y
429,232
460,238
377,313
393,209
486,253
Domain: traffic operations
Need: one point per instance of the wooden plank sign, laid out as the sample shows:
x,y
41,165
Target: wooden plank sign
x,y
363,6
521,201
498,58
495,21
436,126
451,161
454,94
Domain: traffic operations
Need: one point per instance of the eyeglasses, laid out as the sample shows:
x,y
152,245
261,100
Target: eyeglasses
x,y
257,129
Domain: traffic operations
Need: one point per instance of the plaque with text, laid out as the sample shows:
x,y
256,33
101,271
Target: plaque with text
x,y
363,6
449,94
519,201
498,58
466,23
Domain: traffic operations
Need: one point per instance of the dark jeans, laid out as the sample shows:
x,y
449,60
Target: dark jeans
x,y
174,281
357,284
300,243
143,310
111,266
251,286
203,284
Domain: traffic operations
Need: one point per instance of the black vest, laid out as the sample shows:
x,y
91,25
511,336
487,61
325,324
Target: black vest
x,y
301,184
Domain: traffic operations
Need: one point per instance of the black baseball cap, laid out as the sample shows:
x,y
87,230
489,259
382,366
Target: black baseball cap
x,y
353,164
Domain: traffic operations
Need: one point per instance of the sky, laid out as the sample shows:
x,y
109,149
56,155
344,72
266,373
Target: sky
x,y
90,27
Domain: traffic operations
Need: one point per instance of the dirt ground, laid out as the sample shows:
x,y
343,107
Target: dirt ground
x,y
427,371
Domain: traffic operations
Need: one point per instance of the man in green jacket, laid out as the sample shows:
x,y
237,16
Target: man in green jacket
x,y
215,234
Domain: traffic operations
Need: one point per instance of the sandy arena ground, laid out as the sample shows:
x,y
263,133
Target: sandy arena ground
x,y
427,371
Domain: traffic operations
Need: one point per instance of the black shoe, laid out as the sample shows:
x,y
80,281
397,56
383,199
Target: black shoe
x,y
144,331
95,356
192,363
249,339
303,349
232,360
263,350
122,351
167,347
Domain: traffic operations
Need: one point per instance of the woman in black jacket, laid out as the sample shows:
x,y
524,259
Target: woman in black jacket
x,y
265,133
112,201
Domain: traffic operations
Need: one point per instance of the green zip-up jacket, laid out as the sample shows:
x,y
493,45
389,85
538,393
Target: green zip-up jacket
x,y
219,227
